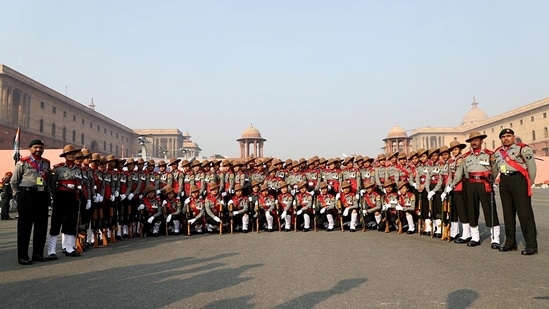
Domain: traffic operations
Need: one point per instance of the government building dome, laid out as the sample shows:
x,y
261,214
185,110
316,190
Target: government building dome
x,y
397,131
474,115
251,132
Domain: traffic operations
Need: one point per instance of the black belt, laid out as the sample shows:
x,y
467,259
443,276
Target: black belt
x,y
28,189
510,173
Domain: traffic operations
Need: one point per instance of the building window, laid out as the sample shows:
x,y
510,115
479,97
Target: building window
x,y
73,136
492,130
54,110
116,135
493,144
521,121
91,124
42,105
116,147
104,130
533,135
98,128
545,133
510,125
53,130
111,133
64,114
64,134
83,121
82,139
532,118
41,126
110,147
544,115
104,146
74,118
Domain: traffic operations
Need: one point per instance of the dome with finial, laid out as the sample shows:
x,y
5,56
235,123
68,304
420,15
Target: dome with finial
x,y
251,132
474,115
397,131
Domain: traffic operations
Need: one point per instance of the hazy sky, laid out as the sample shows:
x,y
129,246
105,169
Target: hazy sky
x,y
315,77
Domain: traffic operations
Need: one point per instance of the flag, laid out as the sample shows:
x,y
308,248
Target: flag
x,y
16,141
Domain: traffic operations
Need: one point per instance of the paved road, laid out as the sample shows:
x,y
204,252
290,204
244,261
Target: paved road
x,y
284,270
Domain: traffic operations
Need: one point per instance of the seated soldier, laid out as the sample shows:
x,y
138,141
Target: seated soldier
x,y
194,210
371,206
406,205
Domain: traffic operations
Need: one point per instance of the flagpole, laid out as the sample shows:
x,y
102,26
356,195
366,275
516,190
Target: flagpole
x,y
16,148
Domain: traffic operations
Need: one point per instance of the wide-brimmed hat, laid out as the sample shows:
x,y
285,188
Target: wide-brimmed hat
x,y
194,189
402,155
110,158
443,149
95,157
149,188
475,134
401,184
68,149
226,162
389,183
368,159
369,184
173,161
151,162
167,189
359,158
214,186
412,154
251,160
79,155
432,151
392,154
345,185
140,161
302,184
331,161
255,183
348,160
185,163
455,144
323,185
161,163
237,187
129,161
86,153
282,184
120,161
264,187
205,163
422,152
272,169
381,156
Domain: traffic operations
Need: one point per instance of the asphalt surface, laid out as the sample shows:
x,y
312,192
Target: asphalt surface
x,y
284,270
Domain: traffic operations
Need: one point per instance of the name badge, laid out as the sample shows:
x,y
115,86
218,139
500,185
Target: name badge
x,y
39,181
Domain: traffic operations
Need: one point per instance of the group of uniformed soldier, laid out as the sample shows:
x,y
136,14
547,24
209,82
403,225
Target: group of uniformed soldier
x,y
99,200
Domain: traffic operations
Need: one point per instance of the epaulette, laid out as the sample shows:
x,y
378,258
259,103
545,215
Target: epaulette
x,y
521,145
488,151
25,159
59,165
467,153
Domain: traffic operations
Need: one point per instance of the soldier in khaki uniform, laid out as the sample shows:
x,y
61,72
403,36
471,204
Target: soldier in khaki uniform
x,y
476,170
348,202
516,166
371,206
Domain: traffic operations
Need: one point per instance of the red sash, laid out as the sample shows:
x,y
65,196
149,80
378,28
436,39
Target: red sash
x,y
519,168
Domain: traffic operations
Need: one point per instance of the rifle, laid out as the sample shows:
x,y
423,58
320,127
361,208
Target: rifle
x,y
446,223
340,214
188,217
278,216
386,220
419,219
294,204
432,219
231,217
314,211
399,222
79,247
221,221
256,207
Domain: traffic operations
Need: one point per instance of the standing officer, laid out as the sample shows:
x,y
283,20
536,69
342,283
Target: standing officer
x,y
7,195
29,184
516,164
476,168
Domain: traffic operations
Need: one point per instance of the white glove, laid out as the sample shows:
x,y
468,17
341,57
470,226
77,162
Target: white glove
x,y
443,196
164,203
141,207
116,194
70,186
322,210
130,196
414,185
169,218
338,196
122,197
399,207
235,212
292,192
299,212
158,192
99,198
430,195
223,194
192,221
329,187
448,189
140,196
362,191
182,193
383,189
112,198
216,218
231,191
88,204
312,193
346,212
385,207
187,201
283,215
365,212
151,219
250,199
311,183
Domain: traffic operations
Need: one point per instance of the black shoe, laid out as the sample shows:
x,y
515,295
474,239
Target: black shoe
x,y
269,230
438,235
462,241
125,236
155,234
74,254
409,232
352,230
426,234
495,246
473,243
52,257
39,258
118,237
305,229
529,251
26,261
8,218
506,248
287,230
63,250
